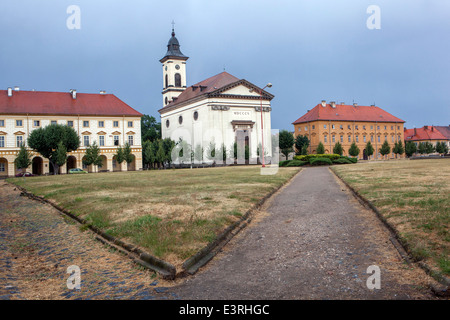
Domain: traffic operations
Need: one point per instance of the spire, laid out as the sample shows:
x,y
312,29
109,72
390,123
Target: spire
x,y
173,48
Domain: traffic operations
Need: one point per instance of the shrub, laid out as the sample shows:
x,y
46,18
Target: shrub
x,y
342,161
284,163
313,156
352,160
296,163
320,161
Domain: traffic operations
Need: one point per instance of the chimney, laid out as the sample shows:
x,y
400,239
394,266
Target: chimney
x,y
432,128
102,92
355,104
415,131
16,88
333,104
74,93
324,103
10,92
425,127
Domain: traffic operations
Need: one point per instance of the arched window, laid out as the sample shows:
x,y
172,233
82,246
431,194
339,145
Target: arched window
x,y
180,119
177,80
166,100
167,81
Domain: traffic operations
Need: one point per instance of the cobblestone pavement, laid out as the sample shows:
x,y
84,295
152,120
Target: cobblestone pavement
x,y
37,245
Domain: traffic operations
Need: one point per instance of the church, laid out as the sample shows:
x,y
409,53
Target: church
x,y
220,110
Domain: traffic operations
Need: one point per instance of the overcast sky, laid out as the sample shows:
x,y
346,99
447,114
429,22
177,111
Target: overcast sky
x,y
309,50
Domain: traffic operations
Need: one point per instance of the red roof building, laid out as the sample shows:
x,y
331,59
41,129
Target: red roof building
x,y
426,133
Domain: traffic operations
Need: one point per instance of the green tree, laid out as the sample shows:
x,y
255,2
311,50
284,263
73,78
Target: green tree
x,y
398,148
422,148
429,147
300,143
286,142
385,148
369,149
93,156
441,147
168,145
338,149
150,128
353,150
148,154
52,140
23,158
120,156
127,153
160,154
320,148
410,148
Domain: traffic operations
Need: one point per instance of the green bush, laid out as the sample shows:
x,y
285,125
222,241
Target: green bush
x,y
296,163
320,161
308,157
353,160
284,163
342,161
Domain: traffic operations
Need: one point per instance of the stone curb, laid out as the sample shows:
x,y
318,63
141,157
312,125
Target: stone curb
x,y
436,275
202,257
165,269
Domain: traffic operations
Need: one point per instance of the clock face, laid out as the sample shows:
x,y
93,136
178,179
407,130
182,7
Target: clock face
x,y
177,67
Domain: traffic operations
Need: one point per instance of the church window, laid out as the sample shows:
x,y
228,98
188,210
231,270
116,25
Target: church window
x,y
177,80
167,82
180,119
195,115
167,123
166,100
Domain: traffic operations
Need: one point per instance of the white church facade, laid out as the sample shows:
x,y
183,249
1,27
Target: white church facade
x,y
222,109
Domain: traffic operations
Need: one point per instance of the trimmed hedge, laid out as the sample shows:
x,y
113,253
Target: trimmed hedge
x,y
308,157
292,163
342,161
320,161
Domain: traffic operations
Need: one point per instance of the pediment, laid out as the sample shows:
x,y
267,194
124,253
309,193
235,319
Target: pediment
x,y
242,90
19,133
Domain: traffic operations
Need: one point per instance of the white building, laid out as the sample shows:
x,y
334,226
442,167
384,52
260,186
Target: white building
x,y
222,109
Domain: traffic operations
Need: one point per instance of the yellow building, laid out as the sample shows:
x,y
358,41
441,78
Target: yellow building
x,y
102,118
332,123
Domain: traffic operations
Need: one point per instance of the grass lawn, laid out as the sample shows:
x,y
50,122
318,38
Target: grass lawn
x,y
414,197
170,213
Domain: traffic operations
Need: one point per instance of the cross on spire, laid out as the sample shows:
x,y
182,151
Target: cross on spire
x,y
173,25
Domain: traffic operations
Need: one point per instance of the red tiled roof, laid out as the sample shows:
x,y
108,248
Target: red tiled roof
x,y
62,103
445,130
424,133
347,113
204,87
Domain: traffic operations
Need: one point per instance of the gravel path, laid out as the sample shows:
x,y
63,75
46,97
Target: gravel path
x,y
315,242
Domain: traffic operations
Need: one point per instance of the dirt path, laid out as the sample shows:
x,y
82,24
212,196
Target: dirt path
x,y
37,245
316,242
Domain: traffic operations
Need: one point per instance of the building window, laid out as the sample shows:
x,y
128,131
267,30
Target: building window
x,y
349,127
53,122
130,124
101,141
356,127
378,127
385,127
364,138
385,138
86,141
2,167
306,128
177,80
2,123
341,127
180,119
364,127
101,124
130,140
166,100
324,126
357,138
19,123
333,138
19,141
379,139
398,127
332,126
342,139
392,138
70,123
36,123
325,138
349,138
371,138
313,126
2,141
116,140
371,127
86,124
167,123
392,127
115,124
299,128
166,82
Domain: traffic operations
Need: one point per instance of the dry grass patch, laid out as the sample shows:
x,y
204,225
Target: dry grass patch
x,y
170,213
414,198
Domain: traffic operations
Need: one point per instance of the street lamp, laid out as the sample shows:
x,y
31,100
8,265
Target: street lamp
x,y
269,85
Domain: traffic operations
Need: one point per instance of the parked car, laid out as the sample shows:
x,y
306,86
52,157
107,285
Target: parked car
x,y
26,174
77,170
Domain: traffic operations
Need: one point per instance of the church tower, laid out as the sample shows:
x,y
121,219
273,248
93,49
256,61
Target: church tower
x,y
174,71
